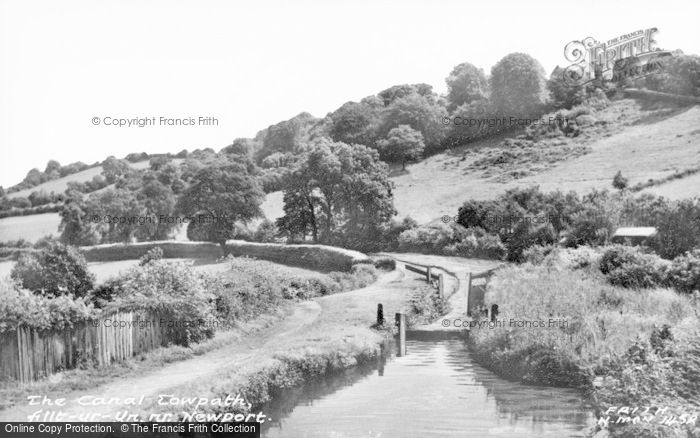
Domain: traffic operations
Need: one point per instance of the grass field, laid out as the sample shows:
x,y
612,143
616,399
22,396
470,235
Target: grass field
x,y
31,228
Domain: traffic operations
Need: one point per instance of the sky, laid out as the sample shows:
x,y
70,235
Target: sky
x,y
250,64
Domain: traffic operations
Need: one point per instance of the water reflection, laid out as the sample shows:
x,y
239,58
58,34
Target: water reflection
x,y
435,390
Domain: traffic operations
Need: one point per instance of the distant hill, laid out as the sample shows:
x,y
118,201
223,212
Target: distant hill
x,y
643,143
59,185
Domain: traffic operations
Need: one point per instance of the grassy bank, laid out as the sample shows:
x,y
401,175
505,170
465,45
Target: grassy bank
x,y
564,325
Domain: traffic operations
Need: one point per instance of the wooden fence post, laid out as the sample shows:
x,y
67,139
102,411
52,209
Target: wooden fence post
x,y
441,286
401,322
469,293
430,277
380,314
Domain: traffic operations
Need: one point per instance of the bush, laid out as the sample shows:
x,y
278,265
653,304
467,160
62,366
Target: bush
x,y
537,254
152,255
477,243
267,232
426,239
629,267
426,306
20,306
684,273
54,270
680,75
582,257
175,293
383,262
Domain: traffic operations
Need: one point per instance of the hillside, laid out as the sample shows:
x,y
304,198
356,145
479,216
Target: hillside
x,y
649,147
640,142
61,184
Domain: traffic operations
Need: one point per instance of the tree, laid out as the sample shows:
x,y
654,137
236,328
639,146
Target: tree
x,y
76,227
465,84
420,113
221,195
20,202
240,146
402,144
34,178
286,136
159,202
39,197
340,193
680,74
619,181
156,163
517,85
52,166
267,232
354,123
391,94
118,212
563,93
114,169
56,270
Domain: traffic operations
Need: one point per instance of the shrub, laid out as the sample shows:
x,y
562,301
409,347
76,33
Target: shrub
x,y
684,273
426,306
426,239
20,306
537,254
55,270
477,243
680,75
564,95
629,267
151,255
582,257
267,232
383,262
175,293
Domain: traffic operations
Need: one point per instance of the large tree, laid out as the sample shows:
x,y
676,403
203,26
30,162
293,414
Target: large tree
x,y
465,84
219,197
517,85
341,194
402,144
354,123
420,113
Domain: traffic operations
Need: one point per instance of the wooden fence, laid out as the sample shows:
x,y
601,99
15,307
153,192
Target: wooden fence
x,y
438,281
27,354
477,290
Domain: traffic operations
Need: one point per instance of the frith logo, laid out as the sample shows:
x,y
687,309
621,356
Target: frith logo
x,y
627,56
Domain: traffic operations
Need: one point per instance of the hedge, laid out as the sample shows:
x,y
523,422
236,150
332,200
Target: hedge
x,y
132,251
319,257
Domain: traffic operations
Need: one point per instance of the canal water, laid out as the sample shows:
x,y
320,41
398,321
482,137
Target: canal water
x,y
436,390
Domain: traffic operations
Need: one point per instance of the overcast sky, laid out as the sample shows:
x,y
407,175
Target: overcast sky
x,y
252,64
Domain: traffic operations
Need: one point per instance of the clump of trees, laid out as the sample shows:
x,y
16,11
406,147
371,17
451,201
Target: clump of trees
x,y
337,194
223,196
